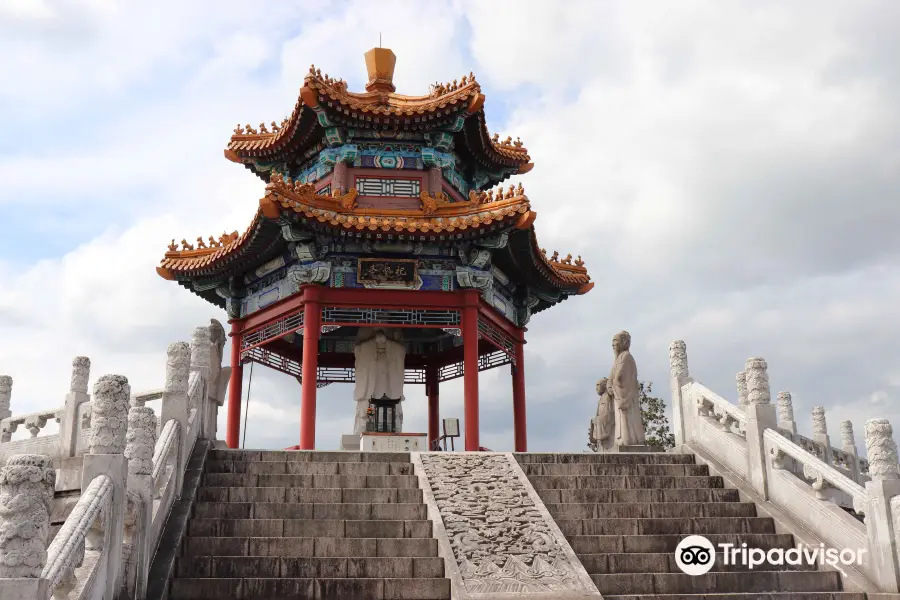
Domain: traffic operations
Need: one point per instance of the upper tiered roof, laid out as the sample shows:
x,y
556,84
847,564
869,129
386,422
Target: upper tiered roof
x,y
326,102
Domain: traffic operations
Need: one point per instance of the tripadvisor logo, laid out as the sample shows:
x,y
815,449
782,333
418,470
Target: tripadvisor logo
x,y
696,555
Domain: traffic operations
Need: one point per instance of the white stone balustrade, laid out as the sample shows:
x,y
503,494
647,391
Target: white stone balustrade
x,y
129,479
790,470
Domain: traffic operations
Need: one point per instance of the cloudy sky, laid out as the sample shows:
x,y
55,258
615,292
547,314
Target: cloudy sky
x,y
730,172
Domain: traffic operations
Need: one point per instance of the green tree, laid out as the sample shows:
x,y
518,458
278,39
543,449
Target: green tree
x,y
656,423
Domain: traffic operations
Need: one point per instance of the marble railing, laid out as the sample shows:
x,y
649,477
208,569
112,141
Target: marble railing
x,y
129,482
805,478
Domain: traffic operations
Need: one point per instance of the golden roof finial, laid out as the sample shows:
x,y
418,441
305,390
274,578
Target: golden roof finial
x,y
380,64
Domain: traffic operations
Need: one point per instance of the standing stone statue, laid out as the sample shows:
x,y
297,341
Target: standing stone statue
x,y
380,363
601,435
626,393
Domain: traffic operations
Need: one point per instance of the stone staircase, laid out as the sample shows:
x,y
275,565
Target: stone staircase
x,y
309,525
624,515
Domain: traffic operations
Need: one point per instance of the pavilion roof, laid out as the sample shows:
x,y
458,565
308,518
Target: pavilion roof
x,y
483,214
324,101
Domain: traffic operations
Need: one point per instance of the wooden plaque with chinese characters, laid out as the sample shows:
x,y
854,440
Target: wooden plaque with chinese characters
x,y
386,270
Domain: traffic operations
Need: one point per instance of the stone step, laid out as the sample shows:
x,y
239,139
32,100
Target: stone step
x,y
642,544
626,482
718,583
662,458
308,528
311,495
740,596
287,547
670,526
309,456
309,481
664,562
270,467
568,469
601,496
310,567
650,510
309,510
310,589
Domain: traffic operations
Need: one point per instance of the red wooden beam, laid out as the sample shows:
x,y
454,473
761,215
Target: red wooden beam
x,y
375,298
493,315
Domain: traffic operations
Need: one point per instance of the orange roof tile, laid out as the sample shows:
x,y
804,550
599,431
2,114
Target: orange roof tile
x,y
321,89
436,215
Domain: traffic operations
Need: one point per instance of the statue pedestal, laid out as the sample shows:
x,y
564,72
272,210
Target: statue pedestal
x,y
637,449
374,441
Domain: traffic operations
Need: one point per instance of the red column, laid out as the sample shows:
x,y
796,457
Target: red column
x,y
434,413
235,387
470,368
312,322
518,382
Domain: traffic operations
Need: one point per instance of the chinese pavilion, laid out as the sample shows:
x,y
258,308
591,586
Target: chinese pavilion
x,y
380,210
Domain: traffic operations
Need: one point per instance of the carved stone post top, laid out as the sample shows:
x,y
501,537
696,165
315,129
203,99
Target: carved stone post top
x,y
26,495
881,450
818,418
109,414
848,441
140,440
200,347
178,365
740,380
757,381
81,372
678,362
28,467
785,406
5,391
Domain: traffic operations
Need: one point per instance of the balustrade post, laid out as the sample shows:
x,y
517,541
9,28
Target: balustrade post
x,y
680,376
26,495
786,413
175,403
109,418
820,434
760,416
5,412
848,445
740,380
140,441
883,503
69,426
5,395
218,378
200,364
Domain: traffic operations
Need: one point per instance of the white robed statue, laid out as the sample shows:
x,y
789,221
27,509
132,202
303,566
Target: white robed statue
x,y
626,393
380,363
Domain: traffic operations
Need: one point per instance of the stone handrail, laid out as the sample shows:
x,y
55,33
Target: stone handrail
x,y
795,473
67,551
165,450
814,468
129,480
710,403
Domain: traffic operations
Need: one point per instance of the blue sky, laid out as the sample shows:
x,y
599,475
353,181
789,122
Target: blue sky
x,y
728,171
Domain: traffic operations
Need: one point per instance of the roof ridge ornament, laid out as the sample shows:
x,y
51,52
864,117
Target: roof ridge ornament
x,y
380,63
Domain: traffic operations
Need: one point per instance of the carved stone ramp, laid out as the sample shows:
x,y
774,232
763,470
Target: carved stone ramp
x,y
497,539
624,515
